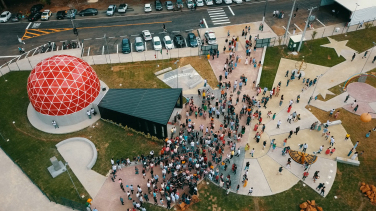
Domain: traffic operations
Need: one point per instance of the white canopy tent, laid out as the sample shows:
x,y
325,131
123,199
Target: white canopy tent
x,y
361,10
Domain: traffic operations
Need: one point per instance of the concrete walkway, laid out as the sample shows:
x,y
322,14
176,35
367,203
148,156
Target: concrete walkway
x,y
79,154
18,193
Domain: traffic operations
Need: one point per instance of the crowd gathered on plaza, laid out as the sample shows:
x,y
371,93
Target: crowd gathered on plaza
x,y
193,152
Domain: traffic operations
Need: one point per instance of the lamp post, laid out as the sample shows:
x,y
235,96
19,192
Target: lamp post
x,y
305,29
263,18
288,24
352,15
374,44
177,73
66,164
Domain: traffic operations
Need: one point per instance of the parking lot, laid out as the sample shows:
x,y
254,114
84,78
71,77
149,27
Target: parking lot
x,y
113,44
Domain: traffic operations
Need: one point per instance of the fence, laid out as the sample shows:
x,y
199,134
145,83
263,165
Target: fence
x,y
206,49
59,200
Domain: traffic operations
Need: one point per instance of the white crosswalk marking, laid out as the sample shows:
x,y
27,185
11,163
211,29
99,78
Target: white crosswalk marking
x,y
218,16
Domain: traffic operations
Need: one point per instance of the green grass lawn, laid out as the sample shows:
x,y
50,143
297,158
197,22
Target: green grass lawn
x,y
360,40
31,149
312,52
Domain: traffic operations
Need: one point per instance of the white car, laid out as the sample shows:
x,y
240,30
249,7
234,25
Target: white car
x,y
5,16
218,1
228,1
147,8
111,10
46,15
199,3
210,38
238,1
168,42
157,44
146,34
209,2
123,8
189,4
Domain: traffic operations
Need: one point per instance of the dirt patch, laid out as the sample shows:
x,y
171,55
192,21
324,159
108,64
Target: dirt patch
x,y
278,30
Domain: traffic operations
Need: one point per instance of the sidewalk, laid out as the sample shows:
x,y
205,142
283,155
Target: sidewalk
x,y
18,192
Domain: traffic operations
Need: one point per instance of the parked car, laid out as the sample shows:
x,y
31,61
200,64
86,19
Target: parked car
x,y
169,5
147,35
61,14
191,39
71,14
123,8
209,2
179,41
210,38
126,45
147,8
168,42
157,44
179,4
158,5
15,17
238,1
199,3
111,10
228,1
88,11
34,16
139,44
46,15
189,4
218,1
36,8
5,16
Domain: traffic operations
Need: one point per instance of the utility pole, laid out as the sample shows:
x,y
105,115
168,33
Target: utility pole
x,y
263,18
305,28
288,24
75,31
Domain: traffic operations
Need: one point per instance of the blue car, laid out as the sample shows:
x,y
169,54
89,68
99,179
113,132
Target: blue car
x,y
191,39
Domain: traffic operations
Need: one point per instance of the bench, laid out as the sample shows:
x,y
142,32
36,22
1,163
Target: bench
x,y
163,71
336,122
348,161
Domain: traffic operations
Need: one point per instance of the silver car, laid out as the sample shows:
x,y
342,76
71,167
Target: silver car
x,y
139,44
169,5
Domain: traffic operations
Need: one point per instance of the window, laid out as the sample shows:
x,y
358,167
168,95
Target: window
x,y
146,126
162,131
155,130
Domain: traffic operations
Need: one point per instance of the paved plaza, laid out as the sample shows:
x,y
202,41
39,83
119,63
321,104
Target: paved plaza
x,y
265,162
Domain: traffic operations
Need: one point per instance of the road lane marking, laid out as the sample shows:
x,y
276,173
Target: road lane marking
x,y
221,23
99,38
231,10
205,23
87,39
218,16
220,20
28,26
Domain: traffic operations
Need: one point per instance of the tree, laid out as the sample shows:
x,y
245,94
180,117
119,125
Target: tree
x,y
4,5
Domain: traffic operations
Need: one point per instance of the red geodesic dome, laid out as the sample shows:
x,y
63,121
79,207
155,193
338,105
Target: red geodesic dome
x,y
62,85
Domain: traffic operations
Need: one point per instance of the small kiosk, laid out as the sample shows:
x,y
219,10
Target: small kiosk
x,y
294,42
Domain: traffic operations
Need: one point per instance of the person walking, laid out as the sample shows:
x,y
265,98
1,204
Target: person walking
x,y
280,171
322,191
305,175
279,123
347,97
252,151
122,201
356,108
305,146
297,130
353,57
250,191
374,59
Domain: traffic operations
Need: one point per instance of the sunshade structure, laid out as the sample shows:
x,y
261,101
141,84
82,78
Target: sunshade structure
x,y
360,10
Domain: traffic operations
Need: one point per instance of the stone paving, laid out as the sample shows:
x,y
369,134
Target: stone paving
x,y
265,163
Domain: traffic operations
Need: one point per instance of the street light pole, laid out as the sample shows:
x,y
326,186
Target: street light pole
x,y
263,18
305,28
73,27
288,24
66,164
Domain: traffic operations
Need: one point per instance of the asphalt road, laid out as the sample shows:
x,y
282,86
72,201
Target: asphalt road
x,y
92,29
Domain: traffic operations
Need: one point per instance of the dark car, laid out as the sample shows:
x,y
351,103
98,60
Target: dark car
x,y
88,11
36,8
126,46
158,5
16,17
35,16
191,39
61,14
179,41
